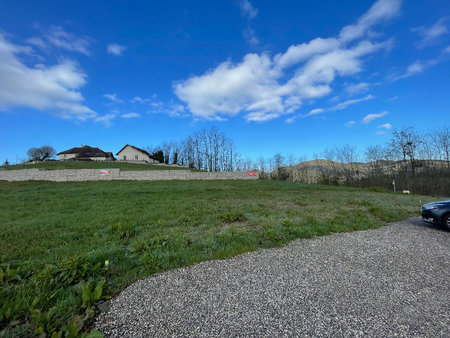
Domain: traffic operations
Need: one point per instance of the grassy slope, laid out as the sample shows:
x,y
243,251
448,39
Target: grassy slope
x,y
54,236
126,166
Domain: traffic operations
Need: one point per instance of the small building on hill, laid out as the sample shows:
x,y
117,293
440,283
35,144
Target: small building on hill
x,y
131,153
86,153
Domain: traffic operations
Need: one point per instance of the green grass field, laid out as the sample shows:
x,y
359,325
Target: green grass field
x,y
126,166
65,247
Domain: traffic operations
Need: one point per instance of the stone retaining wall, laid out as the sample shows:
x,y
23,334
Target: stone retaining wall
x,y
74,175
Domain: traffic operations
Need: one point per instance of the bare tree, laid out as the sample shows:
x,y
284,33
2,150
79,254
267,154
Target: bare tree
x,y
175,152
34,154
347,157
187,152
278,160
441,141
47,152
374,156
166,147
41,154
405,142
262,164
291,160
209,150
330,172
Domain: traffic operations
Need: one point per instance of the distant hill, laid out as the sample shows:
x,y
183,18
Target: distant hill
x,y
317,171
326,171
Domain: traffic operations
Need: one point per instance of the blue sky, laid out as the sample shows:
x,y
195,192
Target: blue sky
x,y
275,76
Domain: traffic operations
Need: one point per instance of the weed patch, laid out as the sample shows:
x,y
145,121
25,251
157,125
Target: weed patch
x,y
233,216
124,229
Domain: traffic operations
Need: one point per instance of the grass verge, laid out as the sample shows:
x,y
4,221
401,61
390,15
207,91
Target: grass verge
x,y
64,247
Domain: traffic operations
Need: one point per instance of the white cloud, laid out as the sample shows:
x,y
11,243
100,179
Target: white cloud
x,y
393,98
347,103
315,112
38,42
355,88
291,119
339,106
312,112
264,88
431,35
380,10
172,109
370,117
106,119
247,9
157,106
350,124
115,49
419,66
250,36
304,51
415,68
50,88
231,88
175,110
249,12
138,99
112,97
130,115
314,78
386,126
56,36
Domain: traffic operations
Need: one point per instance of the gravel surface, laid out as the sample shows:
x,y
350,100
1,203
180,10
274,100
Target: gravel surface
x,y
392,281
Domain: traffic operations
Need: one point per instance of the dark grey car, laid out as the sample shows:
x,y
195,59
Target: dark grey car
x,y
437,213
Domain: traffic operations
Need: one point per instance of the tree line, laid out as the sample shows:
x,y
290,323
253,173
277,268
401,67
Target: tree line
x,y
410,160
208,149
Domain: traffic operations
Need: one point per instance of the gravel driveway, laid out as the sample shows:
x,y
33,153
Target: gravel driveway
x,y
392,281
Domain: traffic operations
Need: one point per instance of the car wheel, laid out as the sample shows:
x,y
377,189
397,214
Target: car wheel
x,y
446,222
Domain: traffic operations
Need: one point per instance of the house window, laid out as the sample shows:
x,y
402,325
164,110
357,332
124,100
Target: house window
x,y
65,156
136,157
124,157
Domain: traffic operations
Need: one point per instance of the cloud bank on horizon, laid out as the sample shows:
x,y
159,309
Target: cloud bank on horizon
x,y
257,86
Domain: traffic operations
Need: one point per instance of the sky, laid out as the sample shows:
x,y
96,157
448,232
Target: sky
x,y
281,76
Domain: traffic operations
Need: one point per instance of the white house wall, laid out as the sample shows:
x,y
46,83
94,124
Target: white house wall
x,y
66,156
98,158
129,154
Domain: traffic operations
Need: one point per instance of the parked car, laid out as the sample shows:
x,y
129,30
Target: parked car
x,y
437,213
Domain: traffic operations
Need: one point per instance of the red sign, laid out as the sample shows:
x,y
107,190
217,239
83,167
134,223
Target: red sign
x,y
251,173
105,172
